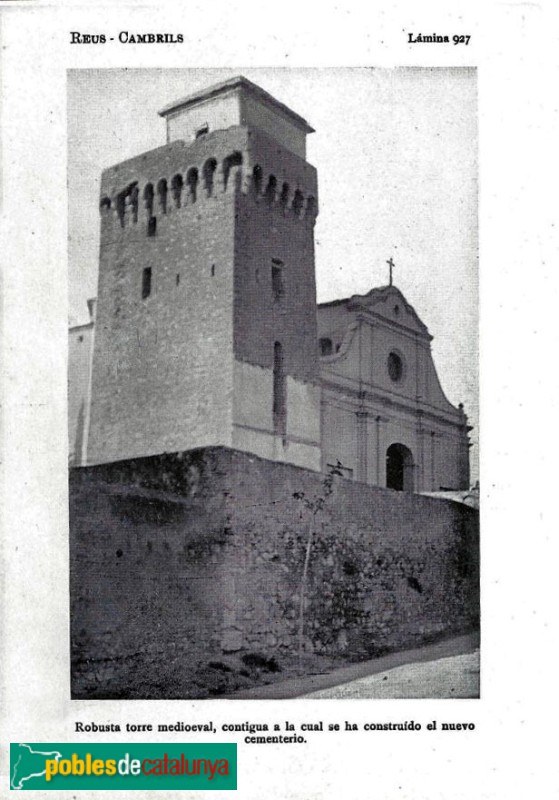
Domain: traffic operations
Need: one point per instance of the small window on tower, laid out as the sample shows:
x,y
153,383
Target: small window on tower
x,y
277,279
146,283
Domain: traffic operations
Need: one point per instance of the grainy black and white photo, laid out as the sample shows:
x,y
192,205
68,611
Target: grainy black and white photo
x,y
273,383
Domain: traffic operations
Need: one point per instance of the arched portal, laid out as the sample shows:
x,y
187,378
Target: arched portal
x,y
399,468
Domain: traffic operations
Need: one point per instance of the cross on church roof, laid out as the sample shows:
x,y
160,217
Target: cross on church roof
x,y
391,264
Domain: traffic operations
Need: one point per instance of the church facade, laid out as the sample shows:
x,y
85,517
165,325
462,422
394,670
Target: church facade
x,y
206,331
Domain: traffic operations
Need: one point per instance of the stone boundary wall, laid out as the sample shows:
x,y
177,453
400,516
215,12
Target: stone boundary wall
x,y
191,563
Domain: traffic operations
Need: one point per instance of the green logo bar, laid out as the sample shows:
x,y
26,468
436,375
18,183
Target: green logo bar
x,y
122,766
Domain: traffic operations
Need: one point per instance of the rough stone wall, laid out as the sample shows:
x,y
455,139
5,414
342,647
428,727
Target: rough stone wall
x,y
387,568
179,560
148,574
268,228
163,364
163,361
162,368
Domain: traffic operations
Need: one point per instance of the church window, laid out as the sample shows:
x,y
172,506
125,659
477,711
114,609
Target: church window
x,y
325,346
277,279
310,210
146,283
152,226
395,367
279,401
213,270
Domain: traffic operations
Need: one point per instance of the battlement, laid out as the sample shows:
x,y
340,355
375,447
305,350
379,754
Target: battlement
x,y
143,188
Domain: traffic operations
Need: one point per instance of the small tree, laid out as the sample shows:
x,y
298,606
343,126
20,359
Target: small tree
x,y
314,505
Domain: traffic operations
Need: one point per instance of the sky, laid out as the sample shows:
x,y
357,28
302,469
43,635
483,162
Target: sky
x,y
397,157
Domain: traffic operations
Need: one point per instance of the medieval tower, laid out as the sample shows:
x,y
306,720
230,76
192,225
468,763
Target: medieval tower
x,y
208,396
206,330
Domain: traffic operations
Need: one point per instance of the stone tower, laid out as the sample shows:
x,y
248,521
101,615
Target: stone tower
x,y
206,312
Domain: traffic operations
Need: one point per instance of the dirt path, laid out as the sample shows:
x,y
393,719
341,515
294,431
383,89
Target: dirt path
x,y
449,668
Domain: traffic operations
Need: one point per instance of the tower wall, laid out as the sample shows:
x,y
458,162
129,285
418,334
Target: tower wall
x,y
275,303
163,364
275,227
188,311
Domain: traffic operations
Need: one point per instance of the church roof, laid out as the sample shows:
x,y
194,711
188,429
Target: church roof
x,y
376,301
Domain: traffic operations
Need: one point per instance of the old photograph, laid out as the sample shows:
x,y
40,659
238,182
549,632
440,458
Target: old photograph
x,y
273,397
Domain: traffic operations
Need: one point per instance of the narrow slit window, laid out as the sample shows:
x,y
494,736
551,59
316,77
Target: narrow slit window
x,y
146,283
278,287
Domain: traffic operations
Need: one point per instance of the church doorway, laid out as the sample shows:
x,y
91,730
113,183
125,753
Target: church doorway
x,y
399,468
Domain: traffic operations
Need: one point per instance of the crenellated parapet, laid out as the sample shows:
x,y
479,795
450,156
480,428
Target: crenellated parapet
x,y
136,203
289,197
143,197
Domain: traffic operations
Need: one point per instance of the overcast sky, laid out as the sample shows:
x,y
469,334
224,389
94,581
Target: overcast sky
x,y
396,154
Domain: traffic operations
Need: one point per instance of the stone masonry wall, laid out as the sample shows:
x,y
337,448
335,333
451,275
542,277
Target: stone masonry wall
x,y
387,569
181,561
163,364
